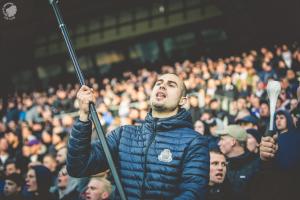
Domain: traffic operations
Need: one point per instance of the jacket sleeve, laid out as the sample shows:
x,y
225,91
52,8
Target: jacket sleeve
x,y
85,158
195,172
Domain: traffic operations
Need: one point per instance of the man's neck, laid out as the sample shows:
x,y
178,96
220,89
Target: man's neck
x,y
237,151
283,131
163,114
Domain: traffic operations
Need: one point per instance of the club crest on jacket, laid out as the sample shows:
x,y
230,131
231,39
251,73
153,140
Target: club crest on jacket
x,y
165,156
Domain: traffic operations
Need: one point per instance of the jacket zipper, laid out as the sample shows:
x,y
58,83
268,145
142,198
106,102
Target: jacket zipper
x,y
145,159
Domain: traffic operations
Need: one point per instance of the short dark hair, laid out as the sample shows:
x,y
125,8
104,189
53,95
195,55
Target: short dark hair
x,y
12,161
16,178
216,151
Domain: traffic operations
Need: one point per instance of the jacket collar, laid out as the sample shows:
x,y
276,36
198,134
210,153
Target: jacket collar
x,y
182,119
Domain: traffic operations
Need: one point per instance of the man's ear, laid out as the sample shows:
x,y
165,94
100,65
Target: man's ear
x,y
182,101
105,195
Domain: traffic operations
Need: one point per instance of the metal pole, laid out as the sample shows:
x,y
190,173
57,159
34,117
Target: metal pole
x,y
93,111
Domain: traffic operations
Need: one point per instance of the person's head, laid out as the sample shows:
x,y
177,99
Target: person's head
x,y
253,140
241,104
59,135
232,140
3,144
264,110
283,121
63,178
11,167
217,167
193,100
199,127
61,156
293,104
167,96
13,185
214,104
98,188
248,122
38,179
49,161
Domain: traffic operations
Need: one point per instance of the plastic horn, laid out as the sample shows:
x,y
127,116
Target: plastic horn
x,y
273,90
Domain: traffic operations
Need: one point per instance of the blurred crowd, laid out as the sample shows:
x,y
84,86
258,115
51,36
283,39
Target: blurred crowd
x,y
228,104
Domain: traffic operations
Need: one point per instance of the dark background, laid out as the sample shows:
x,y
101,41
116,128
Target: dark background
x,y
248,24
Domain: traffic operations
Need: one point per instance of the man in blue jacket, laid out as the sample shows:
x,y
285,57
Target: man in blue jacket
x,y
163,158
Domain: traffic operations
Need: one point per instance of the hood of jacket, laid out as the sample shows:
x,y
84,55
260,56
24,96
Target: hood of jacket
x,y
290,125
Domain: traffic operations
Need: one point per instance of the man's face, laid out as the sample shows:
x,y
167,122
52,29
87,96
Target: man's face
x,y
95,190
10,168
252,144
166,93
31,182
199,127
11,188
281,123
264,110
194,101
61,156
226,144
62,180
3,144
241,104
217,168
50,163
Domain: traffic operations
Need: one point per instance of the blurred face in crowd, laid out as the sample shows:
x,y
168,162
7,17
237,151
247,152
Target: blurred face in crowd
x,y
46,137
11,138
3,145
31,182
264,110
95,190
293,104
214,105
166,95
11,168
252,144
241,104
194,101
199,127
61,156
62,179
26,151
50,163
11,188
226,144
217,168
281,123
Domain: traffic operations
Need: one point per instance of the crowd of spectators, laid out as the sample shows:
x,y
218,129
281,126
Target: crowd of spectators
x,y
34,127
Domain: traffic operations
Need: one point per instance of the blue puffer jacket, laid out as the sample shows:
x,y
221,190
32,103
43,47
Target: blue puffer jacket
x,y
161,159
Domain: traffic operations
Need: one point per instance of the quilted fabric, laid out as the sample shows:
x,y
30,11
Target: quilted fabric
x,y
160,159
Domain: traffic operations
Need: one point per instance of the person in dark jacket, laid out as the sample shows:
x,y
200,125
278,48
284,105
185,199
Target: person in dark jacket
x,y
66,188
38,182
279,176
288,155
218,187
163,158
13,187
242,165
